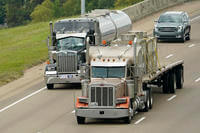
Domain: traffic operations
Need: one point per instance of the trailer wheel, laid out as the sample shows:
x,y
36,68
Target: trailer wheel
x,y
172,82
165,83
179,78
50,86
80,120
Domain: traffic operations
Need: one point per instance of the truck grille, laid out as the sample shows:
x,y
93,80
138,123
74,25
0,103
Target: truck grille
x,y
67,62
102,96
167,29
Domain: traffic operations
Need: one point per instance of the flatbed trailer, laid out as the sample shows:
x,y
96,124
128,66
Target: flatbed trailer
x,y
121,76
164,76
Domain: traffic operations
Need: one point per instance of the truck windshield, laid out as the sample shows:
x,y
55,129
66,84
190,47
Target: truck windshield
x,y
170,18
108,72
71,43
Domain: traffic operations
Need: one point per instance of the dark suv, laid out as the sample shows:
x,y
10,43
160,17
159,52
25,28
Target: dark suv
x,y
173,25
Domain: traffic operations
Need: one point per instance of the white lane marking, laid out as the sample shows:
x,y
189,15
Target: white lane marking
x,y
26,97
141,119
192,45
73,111
197,80
169,99
169,56
195,18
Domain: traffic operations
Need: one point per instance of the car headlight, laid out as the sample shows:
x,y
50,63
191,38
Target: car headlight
x,y
156,29
179,28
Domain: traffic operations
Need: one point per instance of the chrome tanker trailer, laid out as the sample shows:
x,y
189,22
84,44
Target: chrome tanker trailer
x,y
68,42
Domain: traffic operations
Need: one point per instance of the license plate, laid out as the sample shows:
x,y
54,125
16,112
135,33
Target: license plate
x,y
67,76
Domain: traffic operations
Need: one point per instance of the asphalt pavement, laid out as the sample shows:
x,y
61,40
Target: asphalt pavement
x,y
52,111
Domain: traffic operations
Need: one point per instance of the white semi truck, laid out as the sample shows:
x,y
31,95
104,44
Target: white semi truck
x,y
121,76
68,36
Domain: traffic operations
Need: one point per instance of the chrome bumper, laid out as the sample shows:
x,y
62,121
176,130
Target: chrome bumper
x,y
102,113
56,79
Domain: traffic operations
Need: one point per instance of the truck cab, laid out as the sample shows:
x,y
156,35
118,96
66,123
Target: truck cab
x,y
67,52
109,91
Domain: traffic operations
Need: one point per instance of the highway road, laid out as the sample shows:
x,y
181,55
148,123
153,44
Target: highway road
x,y
38,110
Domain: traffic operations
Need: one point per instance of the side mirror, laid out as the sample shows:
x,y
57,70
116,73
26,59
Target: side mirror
x,y
85,72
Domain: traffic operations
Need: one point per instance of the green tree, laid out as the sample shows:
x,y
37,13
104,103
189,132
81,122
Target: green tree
x,y
91,4
15,12
122,3
72,7
105,4
43,12
2,12
58,9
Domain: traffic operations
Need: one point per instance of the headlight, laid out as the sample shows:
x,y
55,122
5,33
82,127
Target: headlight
x,y
179,28
51,72
51,67
121,100
156,28
83,100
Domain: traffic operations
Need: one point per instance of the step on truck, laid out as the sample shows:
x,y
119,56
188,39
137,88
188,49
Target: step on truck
x,y
120,78
67,51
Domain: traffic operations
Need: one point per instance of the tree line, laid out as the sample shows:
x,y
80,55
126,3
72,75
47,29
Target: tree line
x,y
19,12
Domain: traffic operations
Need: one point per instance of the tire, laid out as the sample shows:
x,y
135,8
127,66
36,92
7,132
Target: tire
x,y
188,36
172,82
183,38
80,120
165,85
147,102
179,78
128,119
50,86
150,98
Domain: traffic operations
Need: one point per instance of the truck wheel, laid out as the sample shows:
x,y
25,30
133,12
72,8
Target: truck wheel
x,y
172,82
165,83
147,102
80,120
179,78
50,86
127,120
150,98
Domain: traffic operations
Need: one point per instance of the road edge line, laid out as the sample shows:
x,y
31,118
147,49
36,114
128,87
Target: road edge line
x,y
26,97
